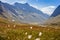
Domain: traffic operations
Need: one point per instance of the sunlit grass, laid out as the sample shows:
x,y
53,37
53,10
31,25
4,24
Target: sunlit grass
x,y
10,31
22,33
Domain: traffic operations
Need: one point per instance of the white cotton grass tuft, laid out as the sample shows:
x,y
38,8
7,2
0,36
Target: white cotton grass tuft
x,y
18,39
29,36
30,27
40,33
14,26
8,37
48,29
37,39
13,20
8,25
25,33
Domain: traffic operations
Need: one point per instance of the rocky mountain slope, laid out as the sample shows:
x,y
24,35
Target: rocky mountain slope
x,y
55,17
22,13
56,12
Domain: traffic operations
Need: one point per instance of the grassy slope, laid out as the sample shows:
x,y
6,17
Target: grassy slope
x,y
18,32
54,20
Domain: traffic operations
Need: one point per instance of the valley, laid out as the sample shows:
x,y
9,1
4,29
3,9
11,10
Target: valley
x,y
23,22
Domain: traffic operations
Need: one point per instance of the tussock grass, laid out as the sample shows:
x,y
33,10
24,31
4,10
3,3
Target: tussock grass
x,y
19,32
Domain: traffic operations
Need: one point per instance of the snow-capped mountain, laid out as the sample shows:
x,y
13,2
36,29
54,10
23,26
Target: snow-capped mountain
x,y
56,12
22,13
55,17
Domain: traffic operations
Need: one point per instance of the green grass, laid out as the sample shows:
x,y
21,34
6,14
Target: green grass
x,y
18,32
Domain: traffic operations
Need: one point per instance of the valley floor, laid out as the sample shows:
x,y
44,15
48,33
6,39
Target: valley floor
x,y
10,31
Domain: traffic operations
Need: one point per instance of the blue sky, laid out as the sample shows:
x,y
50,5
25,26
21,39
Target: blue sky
x,y
47,6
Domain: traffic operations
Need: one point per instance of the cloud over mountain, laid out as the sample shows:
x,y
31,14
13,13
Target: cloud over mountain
x,y
13,1
49,10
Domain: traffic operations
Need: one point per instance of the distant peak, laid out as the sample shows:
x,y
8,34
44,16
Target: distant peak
x,y
56,12
26,4
0,2
58,6
21,3
17,3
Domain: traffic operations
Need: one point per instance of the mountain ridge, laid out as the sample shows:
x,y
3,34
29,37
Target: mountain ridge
x,y
55,17
56,12
22,13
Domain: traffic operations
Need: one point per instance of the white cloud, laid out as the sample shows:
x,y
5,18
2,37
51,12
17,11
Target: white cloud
x,y
3,0
13,1
34,6
22,1
48,10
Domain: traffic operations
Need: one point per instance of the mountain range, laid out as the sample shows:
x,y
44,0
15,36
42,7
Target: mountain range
x,y
22,13
55,17
56,12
